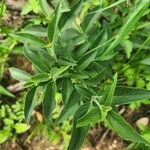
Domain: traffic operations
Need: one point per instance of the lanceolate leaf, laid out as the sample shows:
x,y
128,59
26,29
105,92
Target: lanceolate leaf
x,y
111,90
78,134
29,39
126,95
86,60
53,25
93,116
70,108
108,7
120,126
29,104
20,74
32,56
67,88
49,101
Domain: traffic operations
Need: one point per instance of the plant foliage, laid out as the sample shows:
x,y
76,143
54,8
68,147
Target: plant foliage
x,y
75,59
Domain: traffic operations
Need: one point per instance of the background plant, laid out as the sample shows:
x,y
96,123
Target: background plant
x,y
12,120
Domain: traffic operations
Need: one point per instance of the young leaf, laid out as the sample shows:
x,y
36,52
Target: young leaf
x,y
120,126
126,95
21,127
4,135
53,25
29,104
19,74
49,101
111,90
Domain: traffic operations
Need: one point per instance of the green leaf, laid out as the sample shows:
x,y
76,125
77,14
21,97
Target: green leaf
x,y
111,90
146,61
126,95
45,8
41,77
130,23
89,21
67,88
82,49
49,102
36,30
29,104
86,60
96,80
83,91
128,46
4,135
67,62
93,116
43,56
120,126
56,72
21,127
78,134
78,75
68,17
108,7
39,62
19,74
46,58
29,39
70,108
3,91
53,25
